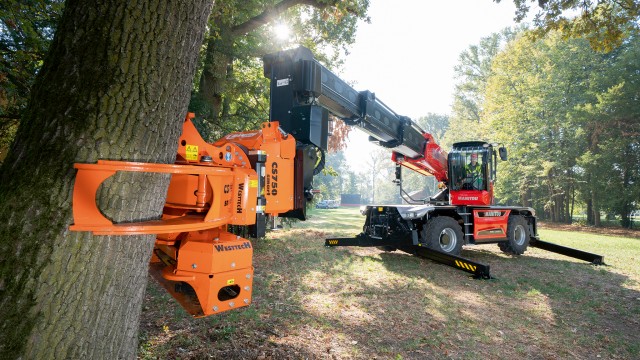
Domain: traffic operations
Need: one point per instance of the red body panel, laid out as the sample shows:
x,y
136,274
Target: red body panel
x,y
433,163
490,224
470,197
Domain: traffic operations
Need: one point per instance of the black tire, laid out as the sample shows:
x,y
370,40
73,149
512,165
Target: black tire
x,y
443,234
517,236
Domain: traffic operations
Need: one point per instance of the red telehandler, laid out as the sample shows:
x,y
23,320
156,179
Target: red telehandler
x,y
244,177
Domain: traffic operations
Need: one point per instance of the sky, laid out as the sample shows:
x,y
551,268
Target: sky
x,y
407,53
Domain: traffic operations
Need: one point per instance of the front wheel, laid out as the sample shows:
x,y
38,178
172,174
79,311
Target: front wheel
x,y
517,236
443,234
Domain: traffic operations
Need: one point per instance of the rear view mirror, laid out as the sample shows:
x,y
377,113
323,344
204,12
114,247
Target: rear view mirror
x,y
503,153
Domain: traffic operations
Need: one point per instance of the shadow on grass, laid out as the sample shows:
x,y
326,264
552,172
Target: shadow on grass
x,y
315,302
580,303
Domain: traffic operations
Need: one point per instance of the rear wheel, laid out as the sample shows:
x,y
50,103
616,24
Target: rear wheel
x,y
443,234
517,236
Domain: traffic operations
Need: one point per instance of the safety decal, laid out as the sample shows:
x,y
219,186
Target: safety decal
x,y
282,82
253,183
464,265
192,152
231,281
333,242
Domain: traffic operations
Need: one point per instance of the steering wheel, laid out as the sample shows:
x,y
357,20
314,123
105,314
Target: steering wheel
x,y
472,185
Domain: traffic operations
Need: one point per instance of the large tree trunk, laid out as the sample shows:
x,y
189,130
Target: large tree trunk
x,y
115,85
217,62
595,208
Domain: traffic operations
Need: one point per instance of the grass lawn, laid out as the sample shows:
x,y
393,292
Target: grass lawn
x,y
361,303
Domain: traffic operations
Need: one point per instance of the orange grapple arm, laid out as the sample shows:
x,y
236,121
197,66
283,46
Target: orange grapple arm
x,y
204,266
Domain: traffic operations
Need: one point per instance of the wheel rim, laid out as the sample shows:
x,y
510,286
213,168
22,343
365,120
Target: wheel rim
x,y
448,240
519,235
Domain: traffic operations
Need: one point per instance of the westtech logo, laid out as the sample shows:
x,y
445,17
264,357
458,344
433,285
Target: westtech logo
x,y
245,245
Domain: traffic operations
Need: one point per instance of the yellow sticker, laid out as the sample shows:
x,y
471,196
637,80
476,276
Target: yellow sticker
x,y
231,281
192,152
253,183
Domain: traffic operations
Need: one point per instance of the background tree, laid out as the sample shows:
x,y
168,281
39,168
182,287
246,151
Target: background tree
x,y
534,87
552,103
26,29
472,73
435,124
603,23
231,93
417,184
380,174
612,129
559,107
333,178
115,85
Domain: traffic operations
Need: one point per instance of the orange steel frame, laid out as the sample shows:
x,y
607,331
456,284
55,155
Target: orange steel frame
x,y
206,268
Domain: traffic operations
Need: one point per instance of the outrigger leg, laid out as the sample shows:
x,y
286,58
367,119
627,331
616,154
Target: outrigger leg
x,y
479,270
567,251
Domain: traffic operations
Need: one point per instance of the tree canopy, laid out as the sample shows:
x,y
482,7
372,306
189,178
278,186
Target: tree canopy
x,y
564,111
604,23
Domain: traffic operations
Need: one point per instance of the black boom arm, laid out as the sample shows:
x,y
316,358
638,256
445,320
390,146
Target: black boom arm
x,y
303,93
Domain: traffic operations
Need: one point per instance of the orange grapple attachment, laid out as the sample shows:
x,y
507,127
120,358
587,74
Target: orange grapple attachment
x,y
206,197
205,267
207,272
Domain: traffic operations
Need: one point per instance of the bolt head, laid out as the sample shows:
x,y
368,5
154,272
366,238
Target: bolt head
x,y
233,264
232,304
246,301
194,266
248,276
215,308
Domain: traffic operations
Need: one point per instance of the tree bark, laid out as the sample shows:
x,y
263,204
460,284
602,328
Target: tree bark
x,y
218,59
596,208
115,85
590,220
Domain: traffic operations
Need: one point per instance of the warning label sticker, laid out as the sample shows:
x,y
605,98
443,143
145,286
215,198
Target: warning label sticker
x,y
192,152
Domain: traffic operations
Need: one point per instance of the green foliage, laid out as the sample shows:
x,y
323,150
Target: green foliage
x,y
472,73
330,181
604,23
250,91
566,113
231,93
26,29
435,124
534,88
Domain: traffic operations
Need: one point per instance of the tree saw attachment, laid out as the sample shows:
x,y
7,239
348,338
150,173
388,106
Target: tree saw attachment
x,y
234,181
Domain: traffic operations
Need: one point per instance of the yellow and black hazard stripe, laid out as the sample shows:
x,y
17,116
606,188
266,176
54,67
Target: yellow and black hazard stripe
x,y
465,265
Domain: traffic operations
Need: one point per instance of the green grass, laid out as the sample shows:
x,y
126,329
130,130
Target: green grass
x,y
338,221
316,302
619,252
